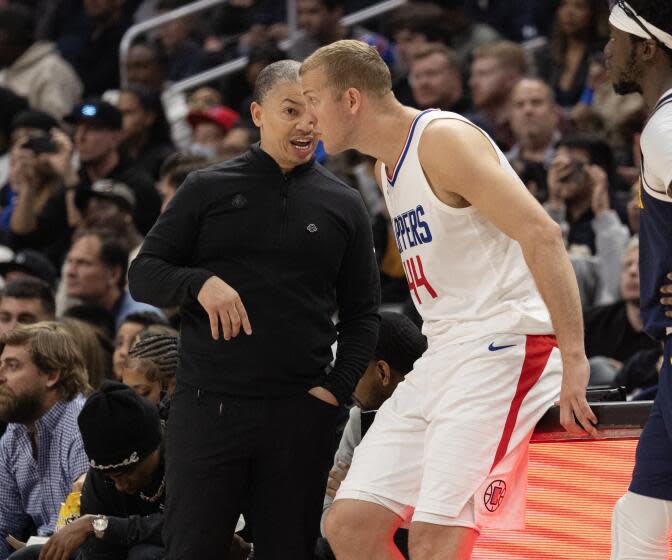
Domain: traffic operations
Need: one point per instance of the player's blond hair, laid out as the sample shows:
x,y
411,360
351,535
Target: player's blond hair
x,y
351,64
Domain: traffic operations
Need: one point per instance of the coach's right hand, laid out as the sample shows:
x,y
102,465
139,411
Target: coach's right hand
x,y
223,305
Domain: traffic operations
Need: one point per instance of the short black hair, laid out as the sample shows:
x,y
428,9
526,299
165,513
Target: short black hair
x,y
145,318
281,71
598,148
19,25
400,342
31,288
113,251
157,49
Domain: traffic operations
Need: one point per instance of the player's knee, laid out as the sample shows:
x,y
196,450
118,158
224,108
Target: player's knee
x,y
433,542
338,525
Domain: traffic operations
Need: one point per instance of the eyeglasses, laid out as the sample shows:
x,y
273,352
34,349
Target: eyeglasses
x,y
633,17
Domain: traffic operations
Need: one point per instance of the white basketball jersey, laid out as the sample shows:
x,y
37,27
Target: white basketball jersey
x,y
467,278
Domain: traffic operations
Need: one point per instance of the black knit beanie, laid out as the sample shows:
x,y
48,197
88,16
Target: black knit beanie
x,y
119,428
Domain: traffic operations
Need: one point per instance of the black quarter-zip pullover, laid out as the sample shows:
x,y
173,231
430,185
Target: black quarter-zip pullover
x,y
297,247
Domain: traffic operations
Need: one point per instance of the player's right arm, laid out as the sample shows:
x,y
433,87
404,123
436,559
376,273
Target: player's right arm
x,y
474,173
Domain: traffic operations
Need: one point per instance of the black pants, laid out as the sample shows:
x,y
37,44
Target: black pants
x,y
270,457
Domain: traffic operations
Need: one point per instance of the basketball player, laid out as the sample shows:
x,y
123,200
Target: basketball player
x,y
448,451
639,54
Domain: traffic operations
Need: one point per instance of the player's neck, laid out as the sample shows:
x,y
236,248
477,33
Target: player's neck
x,y
654,86
386,131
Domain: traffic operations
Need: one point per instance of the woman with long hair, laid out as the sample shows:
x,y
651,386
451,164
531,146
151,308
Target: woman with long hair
x,y
579,31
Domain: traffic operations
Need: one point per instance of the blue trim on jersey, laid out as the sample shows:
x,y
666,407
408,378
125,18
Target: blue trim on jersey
x,y
400,161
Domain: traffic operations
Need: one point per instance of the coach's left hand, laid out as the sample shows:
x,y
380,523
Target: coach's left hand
x,y
324,395
573,402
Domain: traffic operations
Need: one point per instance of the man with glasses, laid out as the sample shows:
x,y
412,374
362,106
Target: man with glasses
x,y
639,55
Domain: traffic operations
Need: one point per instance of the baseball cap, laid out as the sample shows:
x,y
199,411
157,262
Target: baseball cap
x,y
33,263
37,120
222,116
96,112
107,189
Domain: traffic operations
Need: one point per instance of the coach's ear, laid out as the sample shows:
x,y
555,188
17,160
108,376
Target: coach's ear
x,y
383,372
256,111
353,97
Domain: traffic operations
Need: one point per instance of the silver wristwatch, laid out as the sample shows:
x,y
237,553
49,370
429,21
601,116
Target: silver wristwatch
x,y
99,524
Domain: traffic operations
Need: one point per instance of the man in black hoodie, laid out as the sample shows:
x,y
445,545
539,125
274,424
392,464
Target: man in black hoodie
x,y
261,251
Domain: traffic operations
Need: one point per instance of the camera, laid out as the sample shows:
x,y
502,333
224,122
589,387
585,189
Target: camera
x,y
577,174
41,144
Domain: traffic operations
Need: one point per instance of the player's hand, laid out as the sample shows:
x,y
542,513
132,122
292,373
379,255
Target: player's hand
x,y
65,542
336,476
666,298
573,403
324,395
224,307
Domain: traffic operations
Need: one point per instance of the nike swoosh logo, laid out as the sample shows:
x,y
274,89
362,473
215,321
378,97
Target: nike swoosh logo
x,y
494,348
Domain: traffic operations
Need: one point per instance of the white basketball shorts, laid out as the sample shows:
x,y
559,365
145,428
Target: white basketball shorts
x,y
450,446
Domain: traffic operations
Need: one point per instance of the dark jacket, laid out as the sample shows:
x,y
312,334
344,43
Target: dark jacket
x,y
296,247
131,520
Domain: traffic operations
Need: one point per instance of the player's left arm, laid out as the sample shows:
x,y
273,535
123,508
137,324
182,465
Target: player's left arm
x,y
458,158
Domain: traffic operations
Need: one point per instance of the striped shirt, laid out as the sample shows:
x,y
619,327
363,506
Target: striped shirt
x,y
32,488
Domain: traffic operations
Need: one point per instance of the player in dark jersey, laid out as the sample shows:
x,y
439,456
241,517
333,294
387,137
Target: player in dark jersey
x,y
639,55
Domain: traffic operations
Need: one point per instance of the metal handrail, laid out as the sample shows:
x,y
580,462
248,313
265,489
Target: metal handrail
x,y
152,23
240,63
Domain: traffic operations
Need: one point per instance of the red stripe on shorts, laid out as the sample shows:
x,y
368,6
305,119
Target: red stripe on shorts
x,y
537,351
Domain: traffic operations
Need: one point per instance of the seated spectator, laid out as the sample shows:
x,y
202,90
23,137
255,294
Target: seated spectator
x,y
95,272
400,345
95,348
412,26
124,493
239,139
132,324
98,317
184,56
534,122
97,58
579,31
463,34
35,70
29,264
435,78
97,137
173,173
145,134
210,129
40,212
150,368
110,205
516,20
320,20
581,192
615,331
203,98
239,92
42,378
495,70
612,110
146,65
25,301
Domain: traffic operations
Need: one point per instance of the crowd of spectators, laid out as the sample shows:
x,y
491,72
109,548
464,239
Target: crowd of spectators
x,y
88,163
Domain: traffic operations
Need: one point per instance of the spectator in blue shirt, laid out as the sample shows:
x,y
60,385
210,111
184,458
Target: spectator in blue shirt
x,y
42,378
